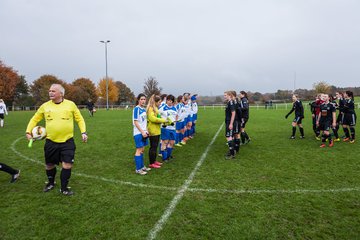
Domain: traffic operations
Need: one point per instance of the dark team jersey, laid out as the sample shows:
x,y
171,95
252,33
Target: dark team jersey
x,y
349,106
298,108
244,105
237,109
326,110
230,107
90,105
341,105
313,106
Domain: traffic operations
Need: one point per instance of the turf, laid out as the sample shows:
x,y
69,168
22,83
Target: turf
x,y
276,188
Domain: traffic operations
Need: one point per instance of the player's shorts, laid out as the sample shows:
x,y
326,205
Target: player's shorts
x,y
179,125
243,122
297,120
349,119
168,134
194,118
140,141
59,152
325,126
1,116
235,130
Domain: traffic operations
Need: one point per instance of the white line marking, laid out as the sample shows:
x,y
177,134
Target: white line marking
x,y
170,209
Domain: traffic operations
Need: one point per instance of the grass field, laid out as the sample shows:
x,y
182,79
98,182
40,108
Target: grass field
x,y
275,189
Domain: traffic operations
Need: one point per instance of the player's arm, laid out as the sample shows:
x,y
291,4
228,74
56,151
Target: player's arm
x,y
318,119
334,119
81,123
152,118
291,111
38,116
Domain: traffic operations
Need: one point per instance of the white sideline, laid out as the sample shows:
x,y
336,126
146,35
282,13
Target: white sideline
x,y
170,209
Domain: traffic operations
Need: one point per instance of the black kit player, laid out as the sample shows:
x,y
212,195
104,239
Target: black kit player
x,y
326,120
299,115
332,100
237,123
341,103
349,119
244,105
315,109
229,123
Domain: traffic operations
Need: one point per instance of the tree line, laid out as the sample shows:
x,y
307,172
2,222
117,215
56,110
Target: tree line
x,y
15,90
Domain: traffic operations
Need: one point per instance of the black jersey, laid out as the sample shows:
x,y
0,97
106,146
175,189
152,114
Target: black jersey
x,y
326,110
341,105
298,108
349,106
230,107
313,107
237,109
244,105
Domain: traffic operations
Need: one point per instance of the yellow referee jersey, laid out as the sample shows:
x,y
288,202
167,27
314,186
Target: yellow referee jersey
x,y
59,120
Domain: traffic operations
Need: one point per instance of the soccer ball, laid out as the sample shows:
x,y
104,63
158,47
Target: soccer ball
x,y
38,133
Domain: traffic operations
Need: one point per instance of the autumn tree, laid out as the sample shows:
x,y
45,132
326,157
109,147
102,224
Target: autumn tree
x,y
125,93
321,87
9,79
40,88
113,91
151,86
82,90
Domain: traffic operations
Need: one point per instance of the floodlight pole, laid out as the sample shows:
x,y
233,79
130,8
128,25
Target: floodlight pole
x,y
106,74
294,81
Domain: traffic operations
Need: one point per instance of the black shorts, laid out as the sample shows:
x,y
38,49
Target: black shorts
x,y
235,130
325,126
243,122
59,152
339,118
349,119
297,120
1,116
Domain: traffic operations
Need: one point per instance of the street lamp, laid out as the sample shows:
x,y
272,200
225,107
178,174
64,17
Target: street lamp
x,y
106,74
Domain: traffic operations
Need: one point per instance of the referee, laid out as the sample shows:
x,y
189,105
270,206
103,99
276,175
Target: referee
x,y
59,115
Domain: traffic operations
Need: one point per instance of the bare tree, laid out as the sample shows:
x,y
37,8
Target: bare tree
x,y
151,86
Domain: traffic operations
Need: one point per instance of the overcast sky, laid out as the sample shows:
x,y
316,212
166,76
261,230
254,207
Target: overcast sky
x,y
202,46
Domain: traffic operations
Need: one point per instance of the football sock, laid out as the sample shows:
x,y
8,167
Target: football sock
x,y
242,137
177,137
51,175
246,136
352,130
231,147
164,155
301,131
323,138
142,160
315,129
65,176
8,169
336,135
169,152
138,162
181,136
1,122
237,144
346,131
293,131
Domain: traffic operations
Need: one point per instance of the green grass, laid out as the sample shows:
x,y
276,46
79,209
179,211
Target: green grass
x,y
251,197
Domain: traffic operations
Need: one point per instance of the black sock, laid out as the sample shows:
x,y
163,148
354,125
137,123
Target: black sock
x,y
231,147
346,131
237,144
246,136
51,175
242,137
352,130
65,176
293,131
336,135
8,169
323,138
301,131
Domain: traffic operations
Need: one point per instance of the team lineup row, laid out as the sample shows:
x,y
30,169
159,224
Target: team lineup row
x,y
163,120
324,118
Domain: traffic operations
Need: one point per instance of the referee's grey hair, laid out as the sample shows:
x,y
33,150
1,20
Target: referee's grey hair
x,y
61,88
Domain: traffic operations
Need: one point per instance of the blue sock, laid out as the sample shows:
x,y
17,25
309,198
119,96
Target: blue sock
x,y
181,137
177,137
142,160
164,154
138,162
169,152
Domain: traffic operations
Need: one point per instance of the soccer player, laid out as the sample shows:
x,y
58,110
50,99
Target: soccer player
x,y
140,133
2,112
244,105
332,100
187,120
349,118
229,123
237,122
194,111
299,115
180,126
154,128
168,132
90,107
341,103
14,173
59,114
315,109
326,120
